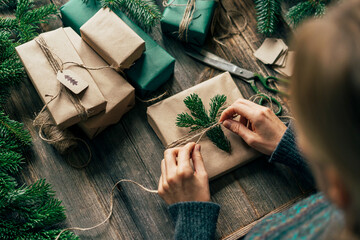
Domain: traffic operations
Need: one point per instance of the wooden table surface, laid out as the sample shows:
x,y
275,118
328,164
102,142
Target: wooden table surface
x,y
131,150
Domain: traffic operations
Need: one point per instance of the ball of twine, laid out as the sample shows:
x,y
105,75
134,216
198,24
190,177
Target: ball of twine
x,y
62,139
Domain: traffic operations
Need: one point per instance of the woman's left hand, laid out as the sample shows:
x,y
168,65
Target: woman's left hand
x,y
179,182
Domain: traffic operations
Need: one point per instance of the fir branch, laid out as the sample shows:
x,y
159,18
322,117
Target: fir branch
x,y
39,15
197,109
8,23
8,4
13,136
217,136
10,161
201,120
303,10
144,12
216,104
268,14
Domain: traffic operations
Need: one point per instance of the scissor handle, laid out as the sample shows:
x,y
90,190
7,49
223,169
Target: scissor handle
x,y
265,82
263,97
273,101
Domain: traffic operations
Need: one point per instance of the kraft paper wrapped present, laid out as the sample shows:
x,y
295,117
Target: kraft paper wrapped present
x,y
148,73
112,39
200,24
120,95
162,118
44,78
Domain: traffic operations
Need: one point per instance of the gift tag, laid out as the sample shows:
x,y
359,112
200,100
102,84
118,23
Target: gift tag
x,y
270,50
72,81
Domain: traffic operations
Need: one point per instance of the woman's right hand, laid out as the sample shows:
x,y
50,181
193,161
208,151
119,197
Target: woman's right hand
x,y
260,128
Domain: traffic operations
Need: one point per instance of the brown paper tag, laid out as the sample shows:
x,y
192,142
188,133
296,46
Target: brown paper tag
x,y
270,50
73,82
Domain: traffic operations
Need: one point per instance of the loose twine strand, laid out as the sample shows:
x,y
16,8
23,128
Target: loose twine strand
x,y
200,134
229,31
111,207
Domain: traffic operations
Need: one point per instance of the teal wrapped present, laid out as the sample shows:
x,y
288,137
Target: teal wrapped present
x,y
149,72
199,25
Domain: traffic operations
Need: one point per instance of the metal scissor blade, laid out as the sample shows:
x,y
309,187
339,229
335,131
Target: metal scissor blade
x,y
219,63
210,55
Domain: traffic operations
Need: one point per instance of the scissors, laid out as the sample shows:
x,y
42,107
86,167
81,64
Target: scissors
x,y
245,75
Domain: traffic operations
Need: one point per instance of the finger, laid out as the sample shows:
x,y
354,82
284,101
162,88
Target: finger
x,y
198,160
239,129
163,173
184,156
240,107
160,186
170,161
228,113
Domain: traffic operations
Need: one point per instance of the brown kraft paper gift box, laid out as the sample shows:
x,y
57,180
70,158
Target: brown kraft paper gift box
x,y
120,95
45,80
112,39
162,118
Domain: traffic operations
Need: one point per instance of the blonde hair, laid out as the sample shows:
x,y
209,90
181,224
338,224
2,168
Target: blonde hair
x,y
326,89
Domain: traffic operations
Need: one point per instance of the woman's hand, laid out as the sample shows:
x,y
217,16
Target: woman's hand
x,y
260,128
179,182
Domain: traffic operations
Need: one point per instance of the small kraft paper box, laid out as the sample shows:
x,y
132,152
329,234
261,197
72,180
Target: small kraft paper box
x,y
162,118
120,95
199,26
148,73
44,78
112,39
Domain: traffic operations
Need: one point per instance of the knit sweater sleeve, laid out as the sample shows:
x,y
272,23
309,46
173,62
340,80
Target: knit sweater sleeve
x,y
288,153
194,220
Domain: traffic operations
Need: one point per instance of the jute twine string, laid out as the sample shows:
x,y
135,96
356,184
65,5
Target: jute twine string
x,y
154,99
229,31
111,207
186,19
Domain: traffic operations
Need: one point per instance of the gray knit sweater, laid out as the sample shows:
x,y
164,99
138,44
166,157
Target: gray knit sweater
x,y
197,220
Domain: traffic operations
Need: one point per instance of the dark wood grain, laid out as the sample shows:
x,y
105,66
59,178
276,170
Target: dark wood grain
x,y
131,150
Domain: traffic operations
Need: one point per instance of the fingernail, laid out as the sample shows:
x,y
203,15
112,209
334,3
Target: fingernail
x,y
198,147
227,123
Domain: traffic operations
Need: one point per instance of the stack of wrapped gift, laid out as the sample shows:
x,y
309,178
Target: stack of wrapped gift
x,y
91,61
149,72
162,117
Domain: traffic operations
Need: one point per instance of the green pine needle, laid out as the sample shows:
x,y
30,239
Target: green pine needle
x,y
200,119
9,5
268,14
298,13
144,12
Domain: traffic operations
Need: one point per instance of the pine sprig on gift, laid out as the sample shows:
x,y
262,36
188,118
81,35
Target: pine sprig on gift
x,y
268,14
201,119
303,10
144,12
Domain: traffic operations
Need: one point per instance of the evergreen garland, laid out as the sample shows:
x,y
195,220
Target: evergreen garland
x,y
269,13
200,119
303,10
144,12
26,212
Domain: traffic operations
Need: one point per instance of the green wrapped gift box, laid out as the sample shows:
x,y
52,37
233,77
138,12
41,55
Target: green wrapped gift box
x,y
200,24
149,72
